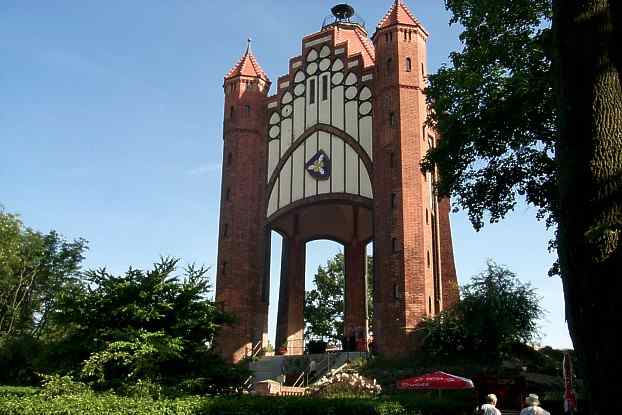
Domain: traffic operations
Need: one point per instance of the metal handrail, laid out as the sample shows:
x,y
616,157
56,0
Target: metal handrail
x,y
257,349
300,377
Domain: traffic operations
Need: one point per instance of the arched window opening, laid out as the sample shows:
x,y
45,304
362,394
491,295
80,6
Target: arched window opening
x,y
409,65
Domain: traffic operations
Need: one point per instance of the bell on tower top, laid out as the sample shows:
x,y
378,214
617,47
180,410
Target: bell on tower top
x,y
343,14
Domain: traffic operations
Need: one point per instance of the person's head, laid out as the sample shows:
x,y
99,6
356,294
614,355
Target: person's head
x,y
532,400
491,399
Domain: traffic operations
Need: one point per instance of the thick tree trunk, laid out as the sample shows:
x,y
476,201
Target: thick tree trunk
x,y
587,65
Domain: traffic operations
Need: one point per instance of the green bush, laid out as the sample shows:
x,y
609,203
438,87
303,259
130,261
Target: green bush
x,y
17,391
94,404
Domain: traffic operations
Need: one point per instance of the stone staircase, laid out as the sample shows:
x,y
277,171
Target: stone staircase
x,y
267,368
270,367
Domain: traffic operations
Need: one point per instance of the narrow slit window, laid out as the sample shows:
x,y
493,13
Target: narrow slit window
x,y
392,119
312,91
324,88
428,259
247,109
391,160
231,112
393,200
389,66
409,65
394,244
405,36
224,268
228,194
225,231
396,292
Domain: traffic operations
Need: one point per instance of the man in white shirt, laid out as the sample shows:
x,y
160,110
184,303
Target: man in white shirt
x,y
490,407
533,406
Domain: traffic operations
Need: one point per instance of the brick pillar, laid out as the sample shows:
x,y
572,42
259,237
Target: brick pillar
x,y
449,279
290,320
355,310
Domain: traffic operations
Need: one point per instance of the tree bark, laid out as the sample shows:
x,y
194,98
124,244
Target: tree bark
x,y
589,155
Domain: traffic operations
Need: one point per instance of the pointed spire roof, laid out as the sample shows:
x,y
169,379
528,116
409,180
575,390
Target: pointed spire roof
x,y
247,66
399,14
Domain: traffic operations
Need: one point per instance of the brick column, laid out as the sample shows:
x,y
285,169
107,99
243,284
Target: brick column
x,y
355,310
290,320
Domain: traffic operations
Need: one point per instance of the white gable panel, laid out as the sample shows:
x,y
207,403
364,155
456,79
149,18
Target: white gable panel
x,y
352,119
352,171
323,186
365,134
310,150
338,173
312,103
366,190
298,173
299,117
337,107
273,156
286,135
285,181
274,199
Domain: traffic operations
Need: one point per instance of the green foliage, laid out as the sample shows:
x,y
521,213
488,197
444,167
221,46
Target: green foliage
x,y
145,325
56,385
495,110
17,391
496,311
34,269
324,305
89,403
323,309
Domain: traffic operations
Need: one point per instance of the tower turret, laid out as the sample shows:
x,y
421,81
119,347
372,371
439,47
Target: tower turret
x,y
242,284
408,285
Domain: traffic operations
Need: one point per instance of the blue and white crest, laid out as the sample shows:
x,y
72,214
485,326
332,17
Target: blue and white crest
x,y
319,166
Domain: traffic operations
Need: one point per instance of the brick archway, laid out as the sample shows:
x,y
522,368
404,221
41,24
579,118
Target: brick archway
x,y
346,220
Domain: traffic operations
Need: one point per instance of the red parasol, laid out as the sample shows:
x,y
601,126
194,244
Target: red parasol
x,y
435,380
570,399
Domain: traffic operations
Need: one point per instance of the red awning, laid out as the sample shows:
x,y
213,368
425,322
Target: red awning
x,y
436,380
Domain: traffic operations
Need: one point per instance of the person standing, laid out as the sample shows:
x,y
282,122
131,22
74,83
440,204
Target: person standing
x,y
533,406
490,407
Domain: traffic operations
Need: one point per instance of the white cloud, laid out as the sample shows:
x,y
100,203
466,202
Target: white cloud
x,y
204,169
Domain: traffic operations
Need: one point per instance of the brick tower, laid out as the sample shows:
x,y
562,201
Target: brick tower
x,y
334,154
406,211
241,286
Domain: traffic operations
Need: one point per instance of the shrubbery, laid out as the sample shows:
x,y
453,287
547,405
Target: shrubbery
x,y
96,404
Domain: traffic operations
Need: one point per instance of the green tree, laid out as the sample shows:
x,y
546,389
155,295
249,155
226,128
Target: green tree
x,y
34,267
496,311
526,111
324,305
151,325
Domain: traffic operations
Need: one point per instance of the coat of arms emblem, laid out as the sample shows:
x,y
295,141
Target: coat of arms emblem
x,y
319,166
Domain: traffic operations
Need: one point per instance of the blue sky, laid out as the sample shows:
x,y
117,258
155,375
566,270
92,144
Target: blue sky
x,y
111,128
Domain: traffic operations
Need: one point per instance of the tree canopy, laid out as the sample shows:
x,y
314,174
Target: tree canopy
x,y
324,305
496,311
531,107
